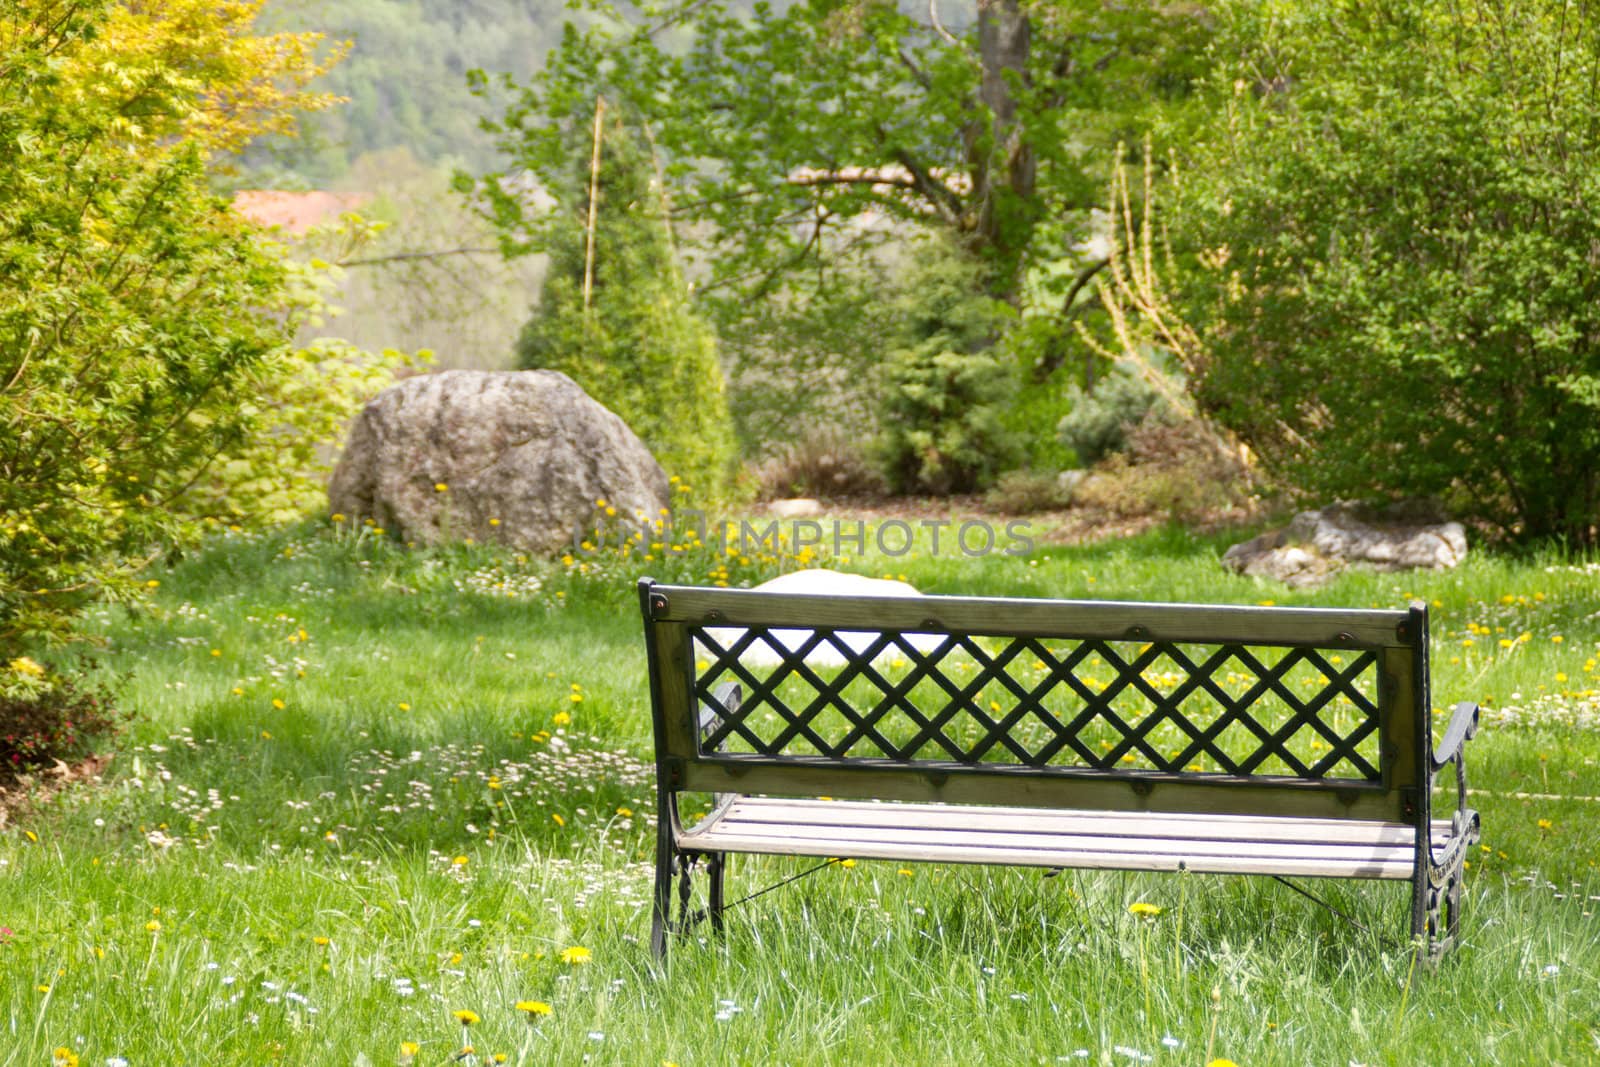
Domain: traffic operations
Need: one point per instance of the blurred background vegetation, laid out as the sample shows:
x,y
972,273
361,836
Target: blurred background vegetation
x,y
1196,262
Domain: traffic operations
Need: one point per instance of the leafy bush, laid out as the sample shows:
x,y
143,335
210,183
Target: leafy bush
x,y
945,388
45,716
301,406
138,315
1022,492
823,461
1098,423
1173,468
1041,402
637,347
1399,230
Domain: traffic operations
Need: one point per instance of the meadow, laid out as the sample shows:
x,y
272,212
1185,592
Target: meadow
x,y
390,806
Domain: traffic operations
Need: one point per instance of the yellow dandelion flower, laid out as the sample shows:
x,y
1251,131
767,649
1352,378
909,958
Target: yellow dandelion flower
x,y
336,517
1221,1063
1545,824
408,1049
558,819
1144,910
533,1007
576,698
278,704
321,942
561,718
265,736
152,584
575,954
403,706
154,926
465,1016
440,487
847,863
63,1057
459,861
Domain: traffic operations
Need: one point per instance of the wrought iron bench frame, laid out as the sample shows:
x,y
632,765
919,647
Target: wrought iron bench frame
x,y
1386,808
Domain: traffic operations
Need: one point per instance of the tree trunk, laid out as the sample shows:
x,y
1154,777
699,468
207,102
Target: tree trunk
x,y
1002,162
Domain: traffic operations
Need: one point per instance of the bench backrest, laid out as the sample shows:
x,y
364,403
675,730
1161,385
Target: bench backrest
x,y
1042,703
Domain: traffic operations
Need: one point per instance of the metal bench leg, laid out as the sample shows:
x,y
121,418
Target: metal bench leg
x,y
661,912
716,867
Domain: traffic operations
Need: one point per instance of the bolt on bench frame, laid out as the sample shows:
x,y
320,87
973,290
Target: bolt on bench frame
x,y
956,780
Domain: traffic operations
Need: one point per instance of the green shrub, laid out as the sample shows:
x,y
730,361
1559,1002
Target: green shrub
x,y
301,405
1022,492
46,716
140,319
1175,469
1399,230
1098,423
823,460
1040,403
637,348
946,387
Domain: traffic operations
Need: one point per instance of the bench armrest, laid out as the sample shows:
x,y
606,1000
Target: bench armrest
x,y
1463,727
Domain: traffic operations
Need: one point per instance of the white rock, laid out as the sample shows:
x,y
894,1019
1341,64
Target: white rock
x,y
820,581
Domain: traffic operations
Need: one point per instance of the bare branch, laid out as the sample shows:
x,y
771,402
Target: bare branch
x,y
397,257
933,17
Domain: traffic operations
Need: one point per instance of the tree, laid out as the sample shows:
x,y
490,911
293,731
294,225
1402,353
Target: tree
x,y
137,313
614,313
944,389
799,141
1395,222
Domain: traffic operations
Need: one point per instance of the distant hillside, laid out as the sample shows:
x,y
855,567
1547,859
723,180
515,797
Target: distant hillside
x,y
405,79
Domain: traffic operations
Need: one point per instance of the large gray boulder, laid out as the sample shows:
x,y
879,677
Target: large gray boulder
x,y
1319,544
521,457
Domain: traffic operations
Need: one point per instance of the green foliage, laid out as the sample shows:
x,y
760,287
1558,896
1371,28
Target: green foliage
x,y
1041,399
147,380
300,404
945,388
1023,492
637,347
1398,232
1097,424
48,716
799,138
133,310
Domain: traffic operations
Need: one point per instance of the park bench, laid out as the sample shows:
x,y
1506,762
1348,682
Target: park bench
x,y
1061,734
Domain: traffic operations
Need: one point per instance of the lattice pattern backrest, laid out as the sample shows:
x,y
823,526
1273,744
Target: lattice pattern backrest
x,y
1035,701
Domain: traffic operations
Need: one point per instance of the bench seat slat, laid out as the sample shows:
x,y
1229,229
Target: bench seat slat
x,y
787,811
956,834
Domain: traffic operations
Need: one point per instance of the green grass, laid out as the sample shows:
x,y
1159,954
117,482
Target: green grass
x,y
419,802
